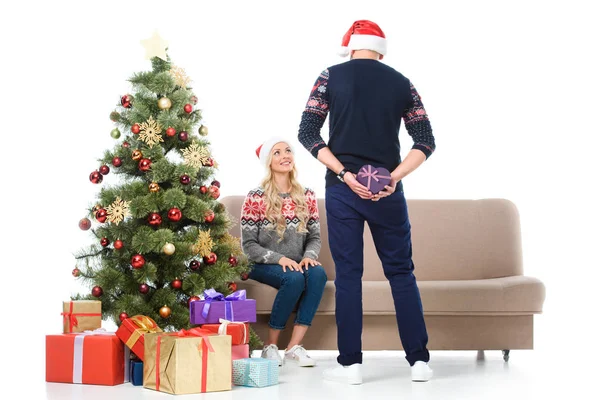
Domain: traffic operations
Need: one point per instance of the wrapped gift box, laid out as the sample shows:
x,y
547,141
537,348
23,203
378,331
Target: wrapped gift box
x,y
239,331
239,351
136,372
373,178
93,358
81,315
255,372
184,362
216,306
132,330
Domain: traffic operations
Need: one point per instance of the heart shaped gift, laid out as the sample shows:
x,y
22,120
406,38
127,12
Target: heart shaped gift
x,y
373,178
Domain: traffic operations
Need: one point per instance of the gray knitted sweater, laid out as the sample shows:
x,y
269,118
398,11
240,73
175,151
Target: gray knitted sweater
x,y
260,241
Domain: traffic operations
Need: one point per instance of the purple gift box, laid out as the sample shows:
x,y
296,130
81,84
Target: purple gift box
x,y
373,178
235,307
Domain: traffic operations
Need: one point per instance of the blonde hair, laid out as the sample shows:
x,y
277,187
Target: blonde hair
x,y
274,202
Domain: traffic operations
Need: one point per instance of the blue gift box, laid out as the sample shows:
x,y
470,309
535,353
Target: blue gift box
x,y
255,372
136,372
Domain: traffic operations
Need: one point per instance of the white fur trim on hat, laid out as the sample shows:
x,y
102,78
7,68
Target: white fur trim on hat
x,y
263,151
365,42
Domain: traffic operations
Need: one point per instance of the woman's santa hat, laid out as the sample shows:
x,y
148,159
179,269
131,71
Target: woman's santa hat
x,y
263,151
364,35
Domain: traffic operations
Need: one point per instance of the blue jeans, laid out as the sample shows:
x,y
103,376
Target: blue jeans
x,y
293,286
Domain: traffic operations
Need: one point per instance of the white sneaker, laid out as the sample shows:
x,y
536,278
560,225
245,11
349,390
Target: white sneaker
x,y
271,352
351,374
299,355
421,372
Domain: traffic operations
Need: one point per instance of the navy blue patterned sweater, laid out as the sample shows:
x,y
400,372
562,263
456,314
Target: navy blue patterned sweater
x,y
366,101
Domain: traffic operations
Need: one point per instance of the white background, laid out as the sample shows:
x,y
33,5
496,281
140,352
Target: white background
x,y
511,88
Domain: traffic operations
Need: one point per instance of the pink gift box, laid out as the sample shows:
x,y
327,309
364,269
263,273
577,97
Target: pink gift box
x,y
239,351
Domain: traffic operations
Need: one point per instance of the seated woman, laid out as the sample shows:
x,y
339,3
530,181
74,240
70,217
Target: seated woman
x,y
281,235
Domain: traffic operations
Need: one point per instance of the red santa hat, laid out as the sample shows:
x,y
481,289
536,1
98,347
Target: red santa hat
x,y
364,35
262,152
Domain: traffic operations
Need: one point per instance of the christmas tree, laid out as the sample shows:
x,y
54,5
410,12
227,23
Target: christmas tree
x,y
160,236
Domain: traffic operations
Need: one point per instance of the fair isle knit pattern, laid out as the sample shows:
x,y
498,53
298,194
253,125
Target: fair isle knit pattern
x,y
260,240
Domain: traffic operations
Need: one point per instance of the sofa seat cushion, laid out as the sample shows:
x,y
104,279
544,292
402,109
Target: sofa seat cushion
x,y
509,295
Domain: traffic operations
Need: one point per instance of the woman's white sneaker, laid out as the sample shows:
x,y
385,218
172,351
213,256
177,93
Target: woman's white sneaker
x,y
299,355
421,372
271,352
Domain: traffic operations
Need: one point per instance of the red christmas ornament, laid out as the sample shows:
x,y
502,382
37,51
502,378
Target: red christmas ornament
x,y
174,214
76,272
123,316
104,170
144,164
214,192
203,189
116,162
244,276
216,183
193,298
210,259
176,284
233,261
135,129
126,144
232,286
96,177
154,219
185,179
104,242
97,291
171,132
101,215
209,216
195,265
210,163
188,108
144,288
85,224
138,261
183,136
126,100
118,244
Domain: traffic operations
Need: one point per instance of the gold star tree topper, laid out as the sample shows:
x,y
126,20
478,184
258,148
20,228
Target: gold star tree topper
x,y
155,47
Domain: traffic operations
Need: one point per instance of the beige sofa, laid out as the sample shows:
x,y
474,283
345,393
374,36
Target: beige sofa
x,y
469,269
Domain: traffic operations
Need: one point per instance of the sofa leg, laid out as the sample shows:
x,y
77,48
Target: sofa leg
x,y
505,354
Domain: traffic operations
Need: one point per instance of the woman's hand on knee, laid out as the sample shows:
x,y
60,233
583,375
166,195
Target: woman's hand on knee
x,y
289,263
306,262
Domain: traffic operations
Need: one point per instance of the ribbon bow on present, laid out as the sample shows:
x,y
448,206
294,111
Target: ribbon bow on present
x,y
144,325
211,295
223,327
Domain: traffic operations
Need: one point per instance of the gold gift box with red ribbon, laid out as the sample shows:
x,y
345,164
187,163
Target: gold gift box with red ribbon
x,y
132,331
81,315
185,362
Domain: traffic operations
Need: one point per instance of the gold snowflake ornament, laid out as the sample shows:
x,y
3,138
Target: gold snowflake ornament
x,y
179,76
233,242
195,155
150,132
118,210
204,244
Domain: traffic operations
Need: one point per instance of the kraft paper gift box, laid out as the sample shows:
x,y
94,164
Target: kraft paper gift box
x,y
216,306
185,362
93,357
239,331
132,330
81,315
373,178
255,372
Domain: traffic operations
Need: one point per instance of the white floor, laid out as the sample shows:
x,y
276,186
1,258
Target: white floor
x,y
458,375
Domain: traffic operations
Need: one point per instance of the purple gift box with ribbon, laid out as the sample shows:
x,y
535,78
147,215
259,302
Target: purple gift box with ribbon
x,y
234,307
373,178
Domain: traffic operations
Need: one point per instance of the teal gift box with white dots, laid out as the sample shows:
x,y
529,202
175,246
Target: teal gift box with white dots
x,y
255,372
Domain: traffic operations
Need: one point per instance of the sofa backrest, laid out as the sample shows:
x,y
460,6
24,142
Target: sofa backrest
x,y
452,239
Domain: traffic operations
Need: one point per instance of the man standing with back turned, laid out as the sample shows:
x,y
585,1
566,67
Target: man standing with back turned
x,y
366,101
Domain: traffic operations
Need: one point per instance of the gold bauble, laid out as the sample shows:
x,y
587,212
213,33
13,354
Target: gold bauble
x,y
136,155
153,187
165,312
203,130
164,103
168,249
